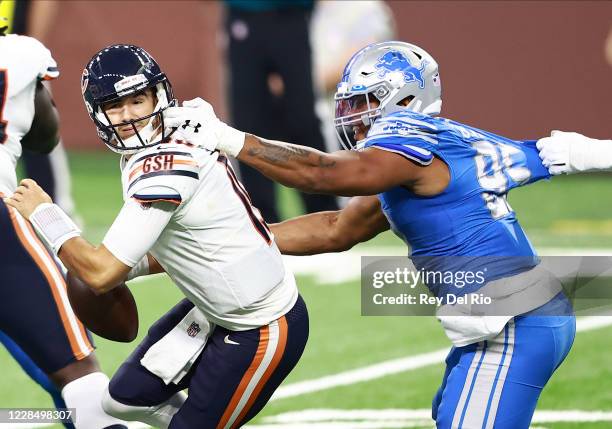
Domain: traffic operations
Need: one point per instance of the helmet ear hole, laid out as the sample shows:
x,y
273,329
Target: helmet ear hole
x,y
405,101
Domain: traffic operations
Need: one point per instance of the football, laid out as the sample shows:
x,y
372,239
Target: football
x,y
112,315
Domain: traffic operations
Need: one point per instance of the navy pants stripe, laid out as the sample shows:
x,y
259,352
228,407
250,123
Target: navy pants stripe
x,y
233,378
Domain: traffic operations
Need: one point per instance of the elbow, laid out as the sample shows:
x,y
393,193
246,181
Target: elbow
x,y
310,181
337,240
320,181
340,244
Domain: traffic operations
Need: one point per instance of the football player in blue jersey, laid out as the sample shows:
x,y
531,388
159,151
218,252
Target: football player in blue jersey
x,y
441,186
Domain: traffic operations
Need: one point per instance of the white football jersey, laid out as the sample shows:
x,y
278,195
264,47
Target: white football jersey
x,y
215,247
23,62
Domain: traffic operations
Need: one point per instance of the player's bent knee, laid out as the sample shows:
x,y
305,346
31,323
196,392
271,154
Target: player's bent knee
x,y
156,415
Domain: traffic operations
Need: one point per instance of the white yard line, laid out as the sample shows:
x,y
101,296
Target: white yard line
x,y
394,366
399,418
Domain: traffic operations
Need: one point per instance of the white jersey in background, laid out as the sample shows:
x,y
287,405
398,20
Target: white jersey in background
x,y
23,62
337,30
204,232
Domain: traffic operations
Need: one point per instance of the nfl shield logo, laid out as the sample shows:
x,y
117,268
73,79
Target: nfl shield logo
x,y
193,330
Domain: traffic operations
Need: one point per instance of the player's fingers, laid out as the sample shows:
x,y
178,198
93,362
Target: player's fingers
x,y
545,152
196,102
545,142
179,135
16,198
557,169
175,112
540,144
20,190
28,183
174,122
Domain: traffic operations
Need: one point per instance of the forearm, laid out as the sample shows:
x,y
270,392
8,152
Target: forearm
x,y
323,232
292,165
309,235
91,264
593,155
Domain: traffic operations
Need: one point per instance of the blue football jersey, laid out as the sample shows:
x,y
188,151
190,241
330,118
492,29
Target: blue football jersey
x,y
472,217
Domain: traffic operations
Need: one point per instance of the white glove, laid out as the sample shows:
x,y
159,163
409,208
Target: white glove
x,y
568,153
197,123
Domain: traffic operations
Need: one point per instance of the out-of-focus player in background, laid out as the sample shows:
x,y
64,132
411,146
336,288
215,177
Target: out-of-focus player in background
x,y
51,171
244,326
442,188
36,314
337,31
271,87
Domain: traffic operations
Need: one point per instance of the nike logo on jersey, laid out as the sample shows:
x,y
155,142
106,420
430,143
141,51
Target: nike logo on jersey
x,y
227,340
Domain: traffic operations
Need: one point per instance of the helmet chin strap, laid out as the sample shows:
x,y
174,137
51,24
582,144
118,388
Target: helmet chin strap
x,y
147,133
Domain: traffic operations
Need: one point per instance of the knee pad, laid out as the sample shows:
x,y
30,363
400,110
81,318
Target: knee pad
x,y
155,415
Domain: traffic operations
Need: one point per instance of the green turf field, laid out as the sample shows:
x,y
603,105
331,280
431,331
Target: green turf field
x,y
568,212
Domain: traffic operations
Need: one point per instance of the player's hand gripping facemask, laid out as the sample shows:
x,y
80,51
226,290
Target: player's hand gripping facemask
x,y
196,123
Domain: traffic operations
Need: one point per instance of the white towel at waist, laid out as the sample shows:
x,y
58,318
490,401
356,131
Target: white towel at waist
x,y
172,356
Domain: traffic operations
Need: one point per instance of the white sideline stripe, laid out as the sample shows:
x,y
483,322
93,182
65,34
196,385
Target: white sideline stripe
x,y
367,373
366,424
331,417
395,366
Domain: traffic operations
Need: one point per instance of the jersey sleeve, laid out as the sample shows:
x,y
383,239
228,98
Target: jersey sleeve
x,y
533,163
135,231
412,138
45,65
162,175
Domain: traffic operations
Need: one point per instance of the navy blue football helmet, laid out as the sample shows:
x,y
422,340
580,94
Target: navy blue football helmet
x,y
118,71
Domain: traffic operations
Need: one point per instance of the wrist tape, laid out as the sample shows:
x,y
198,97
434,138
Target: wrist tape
x,y
53,225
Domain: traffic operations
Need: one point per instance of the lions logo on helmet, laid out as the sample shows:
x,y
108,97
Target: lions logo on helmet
x,y
394,61
381,79
118,71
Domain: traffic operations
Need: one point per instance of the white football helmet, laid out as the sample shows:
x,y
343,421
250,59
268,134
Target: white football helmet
x,y
391,73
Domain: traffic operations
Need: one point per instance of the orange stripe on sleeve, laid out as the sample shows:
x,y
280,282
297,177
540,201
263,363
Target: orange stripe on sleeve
x,y
77,351
134,172
264,336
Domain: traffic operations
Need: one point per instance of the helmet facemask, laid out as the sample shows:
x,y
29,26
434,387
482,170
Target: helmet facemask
x,y
153,133
356,109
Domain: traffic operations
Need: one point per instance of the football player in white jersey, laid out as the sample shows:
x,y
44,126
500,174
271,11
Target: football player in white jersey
x,y
33,284
243,326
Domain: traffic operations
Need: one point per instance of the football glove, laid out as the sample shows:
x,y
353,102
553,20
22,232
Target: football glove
x,y
566,152
197,123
